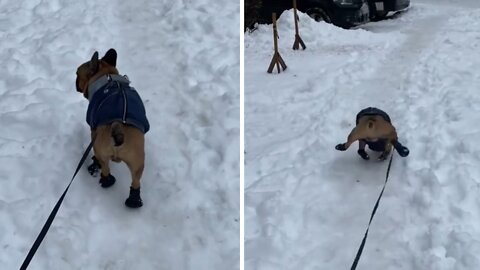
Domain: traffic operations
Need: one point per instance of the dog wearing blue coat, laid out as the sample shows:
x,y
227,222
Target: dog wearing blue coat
x,y
117,119
374,128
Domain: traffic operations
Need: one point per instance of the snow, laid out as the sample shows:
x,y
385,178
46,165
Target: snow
x,y
307,205
183,58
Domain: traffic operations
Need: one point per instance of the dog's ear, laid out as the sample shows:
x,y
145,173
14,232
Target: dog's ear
x,y
111,57
93,65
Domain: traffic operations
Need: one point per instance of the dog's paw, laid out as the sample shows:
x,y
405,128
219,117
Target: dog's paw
x,y
94,168
404,151
134,200
133,203
383,157
107,181
363,154
340,147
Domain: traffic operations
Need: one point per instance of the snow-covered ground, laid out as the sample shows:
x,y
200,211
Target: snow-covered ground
x,y
307,205
183,58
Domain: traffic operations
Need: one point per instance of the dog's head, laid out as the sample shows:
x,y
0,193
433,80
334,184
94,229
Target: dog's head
x,y
89,71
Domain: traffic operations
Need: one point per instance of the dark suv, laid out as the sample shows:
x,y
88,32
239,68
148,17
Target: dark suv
x,y
343,13
380,8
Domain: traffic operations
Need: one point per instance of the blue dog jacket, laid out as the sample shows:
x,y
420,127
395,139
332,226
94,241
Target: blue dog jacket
x,y
373,111
113,99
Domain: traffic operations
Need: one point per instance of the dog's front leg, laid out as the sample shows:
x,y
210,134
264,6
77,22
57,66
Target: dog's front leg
x,y
386,152
94,168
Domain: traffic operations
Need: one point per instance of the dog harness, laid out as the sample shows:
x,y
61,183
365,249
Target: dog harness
x,y
113,99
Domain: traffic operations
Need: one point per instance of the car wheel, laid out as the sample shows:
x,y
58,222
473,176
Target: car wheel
x,y
318,14
381,15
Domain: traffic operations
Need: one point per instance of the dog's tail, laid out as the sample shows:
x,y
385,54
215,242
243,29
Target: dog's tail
x,y
370,122
117,133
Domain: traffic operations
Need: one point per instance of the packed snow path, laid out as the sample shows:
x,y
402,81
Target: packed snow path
x,y
183,59
307,205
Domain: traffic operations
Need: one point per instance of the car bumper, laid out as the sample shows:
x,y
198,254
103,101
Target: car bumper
x,y
348,17
391,5
401,4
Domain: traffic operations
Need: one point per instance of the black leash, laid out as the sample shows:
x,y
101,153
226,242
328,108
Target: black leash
x,y
49,221
359,252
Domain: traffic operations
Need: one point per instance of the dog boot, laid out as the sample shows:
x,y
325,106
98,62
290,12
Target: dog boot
x,y
107,181
340,147
94,168
134,200
402,150
363,154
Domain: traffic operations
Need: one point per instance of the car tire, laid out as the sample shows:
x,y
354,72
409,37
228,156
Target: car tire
x,y
319,15
381,15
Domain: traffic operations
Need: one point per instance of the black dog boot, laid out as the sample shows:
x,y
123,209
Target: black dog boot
x,y
363,154
402,150
134,200
107,181
340,147
94,168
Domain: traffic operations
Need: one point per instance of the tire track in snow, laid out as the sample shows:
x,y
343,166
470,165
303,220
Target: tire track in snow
x,y
392,77
440,211
420,101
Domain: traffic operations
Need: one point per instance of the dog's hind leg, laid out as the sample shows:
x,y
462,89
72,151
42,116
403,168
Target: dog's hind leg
x,y
356,134
101,146
393,139
386,152
106,179
136,169
402,150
